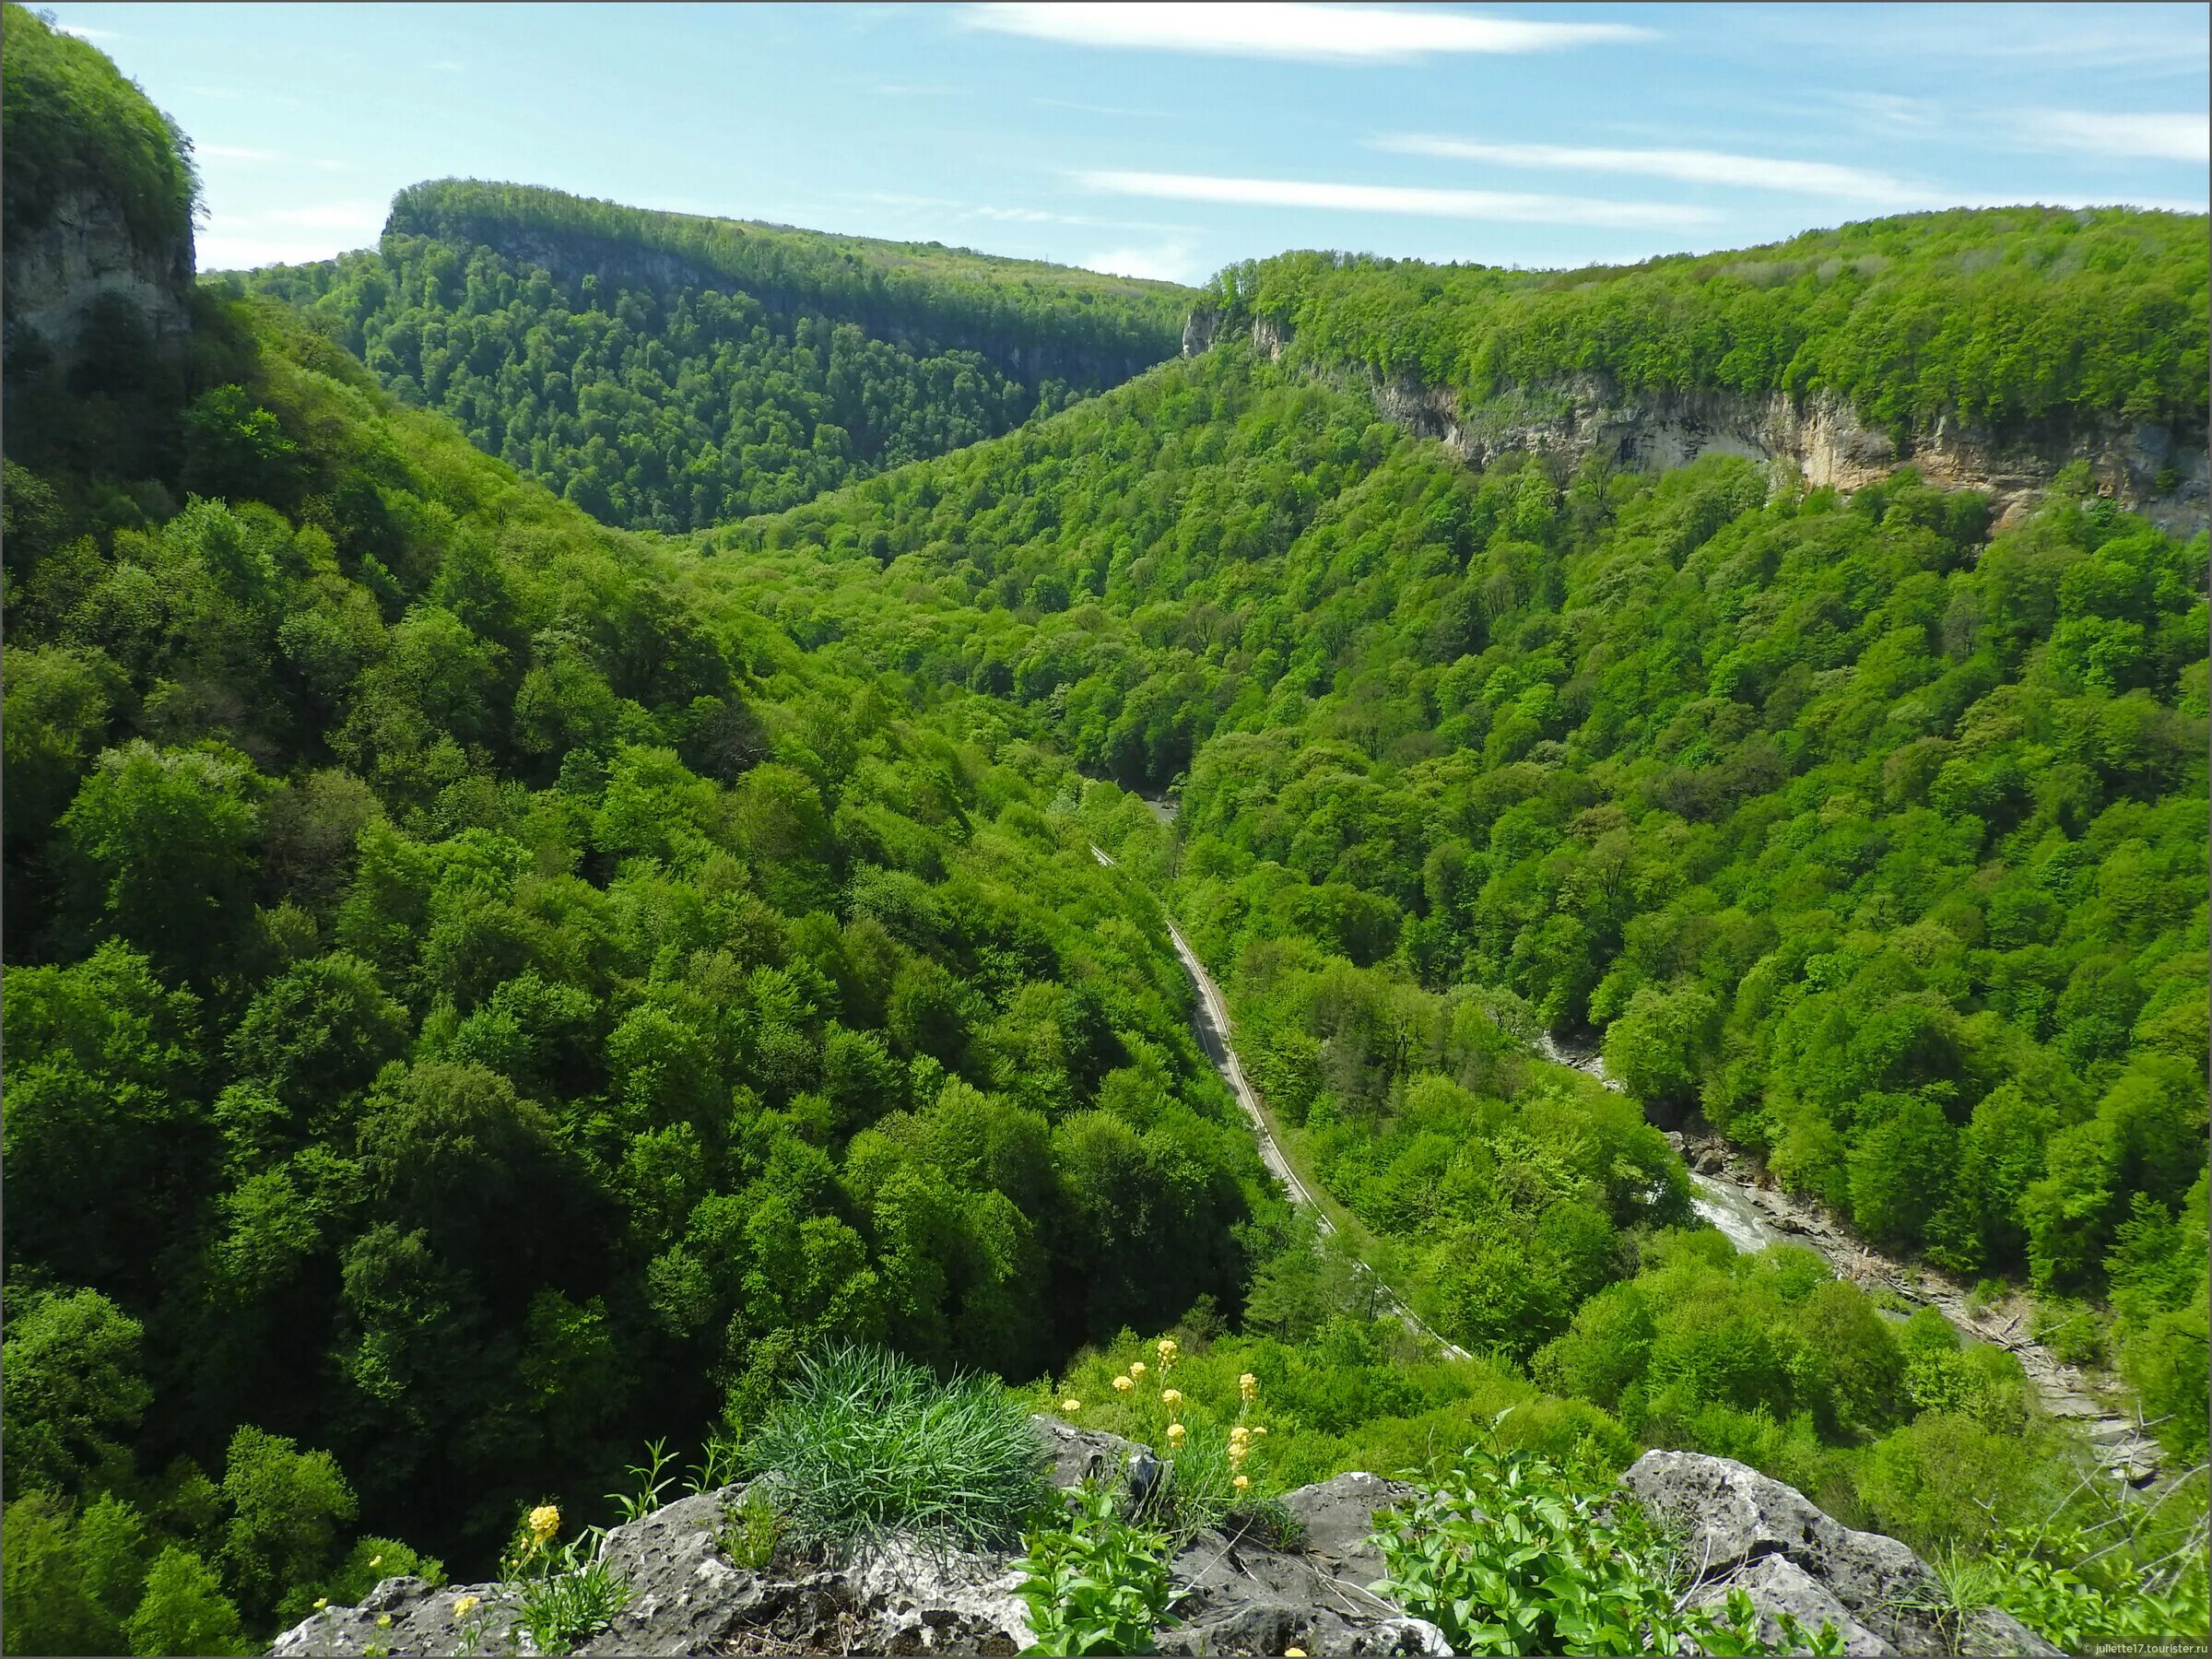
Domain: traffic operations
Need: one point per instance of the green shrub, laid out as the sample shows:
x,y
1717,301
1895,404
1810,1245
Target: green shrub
x,y
1516,1554
1095,1584
864,1442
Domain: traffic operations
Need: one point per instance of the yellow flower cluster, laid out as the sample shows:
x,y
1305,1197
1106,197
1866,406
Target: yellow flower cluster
x,y
1136,1368
1248,1386
1175,1434
467,1604
1071,1406
1123,1386
1169,1352
544,1521
1170,1397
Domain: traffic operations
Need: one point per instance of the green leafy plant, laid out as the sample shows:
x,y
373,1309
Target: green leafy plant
x,y
863,1443
1096,1583
652,1482
1514,1553
752,1531
564,1592
717,1467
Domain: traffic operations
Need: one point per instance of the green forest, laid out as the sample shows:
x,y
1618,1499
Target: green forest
x,y
784,364
549,874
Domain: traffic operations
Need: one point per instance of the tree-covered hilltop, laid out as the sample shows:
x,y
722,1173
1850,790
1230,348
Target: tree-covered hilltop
x,y
472,1003
666,371
1878,838
71,123
1997,317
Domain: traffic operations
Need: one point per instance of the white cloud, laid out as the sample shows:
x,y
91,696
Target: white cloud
x,y
328,216
219,249
1272,29
1505,207
448,66
1684,166
2177,136
84,33
1170,262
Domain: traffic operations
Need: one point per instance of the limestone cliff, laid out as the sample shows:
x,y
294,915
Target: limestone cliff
x,y
58,275
2148,469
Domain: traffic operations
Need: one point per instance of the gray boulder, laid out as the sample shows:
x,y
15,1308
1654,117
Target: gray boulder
x,y
1741,1529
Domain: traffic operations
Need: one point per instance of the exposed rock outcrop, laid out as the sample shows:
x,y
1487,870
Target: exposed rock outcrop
x,y
1742,1530
1238,1593
2149,469
83,258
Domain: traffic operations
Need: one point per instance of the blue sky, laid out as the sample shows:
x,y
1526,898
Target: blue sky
x,y
1171,140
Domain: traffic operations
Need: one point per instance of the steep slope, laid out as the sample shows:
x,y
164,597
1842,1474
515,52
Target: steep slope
x,y
472,1003
98,233
1988,348
1876,837
666,371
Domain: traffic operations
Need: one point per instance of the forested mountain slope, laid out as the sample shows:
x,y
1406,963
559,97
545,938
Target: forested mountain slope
x,y
470,1006
1876,837
666,371
1991,347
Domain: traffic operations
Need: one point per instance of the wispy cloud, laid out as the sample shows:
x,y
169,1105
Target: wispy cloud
x,y
1170,262
234,152
448,66
2174,136
85,32
912,90
327,216
1502,206
1683,166
1113,110
1006,215
1273,28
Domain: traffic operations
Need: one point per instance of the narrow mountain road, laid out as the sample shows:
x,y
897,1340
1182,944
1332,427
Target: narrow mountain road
x,y
1209,1020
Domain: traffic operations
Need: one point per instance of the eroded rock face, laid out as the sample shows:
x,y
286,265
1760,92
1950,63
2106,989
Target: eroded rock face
x,y
1742,1530
2149,469
58,276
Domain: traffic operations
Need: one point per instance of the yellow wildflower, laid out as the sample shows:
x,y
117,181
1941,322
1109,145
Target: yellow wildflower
x,y
1175,1433
1294,1653
1136,1368
467,1604
1257,1429
1168,1353
1249,1386
376,1561
1239,1434
1171,1396
383,1621
545,1520
322,1602
1236,1452
1071,1405
1242,1483
1123,1386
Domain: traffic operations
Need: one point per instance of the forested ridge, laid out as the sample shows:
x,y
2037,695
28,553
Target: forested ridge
x,y
1877,839
666,371
485,988
1999,317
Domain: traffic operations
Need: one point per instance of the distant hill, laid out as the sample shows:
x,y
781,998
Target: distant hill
x,y
666,371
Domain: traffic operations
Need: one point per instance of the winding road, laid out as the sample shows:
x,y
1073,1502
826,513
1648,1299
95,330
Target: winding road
x,y
1750,1215
1209,1020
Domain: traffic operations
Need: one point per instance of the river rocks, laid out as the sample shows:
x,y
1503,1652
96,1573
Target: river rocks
x,y
1742,1530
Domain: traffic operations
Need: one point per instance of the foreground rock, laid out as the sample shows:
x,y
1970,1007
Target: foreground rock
x,y
1741,1530
1241,1594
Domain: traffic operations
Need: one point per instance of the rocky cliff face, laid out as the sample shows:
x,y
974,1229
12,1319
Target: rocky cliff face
x,y
59,276
1240,1594
2148,469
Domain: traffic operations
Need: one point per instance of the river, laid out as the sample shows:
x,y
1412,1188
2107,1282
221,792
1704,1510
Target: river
x,y
1754,1213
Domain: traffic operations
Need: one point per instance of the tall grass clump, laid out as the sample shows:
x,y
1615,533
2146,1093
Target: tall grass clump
x,y
863,1443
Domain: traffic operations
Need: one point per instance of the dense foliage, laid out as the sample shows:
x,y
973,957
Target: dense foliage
x,y
73,126
668,372
1997,317
472,999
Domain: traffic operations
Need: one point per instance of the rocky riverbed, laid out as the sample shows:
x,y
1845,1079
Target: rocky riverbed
x,y
1743,1200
